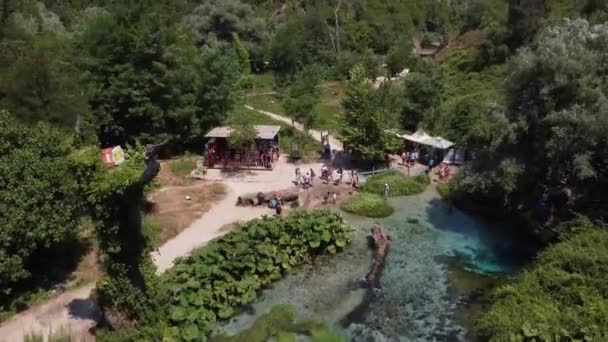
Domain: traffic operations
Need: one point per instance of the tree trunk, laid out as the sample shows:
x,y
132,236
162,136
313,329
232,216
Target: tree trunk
x,y
381,247
260,198
337,28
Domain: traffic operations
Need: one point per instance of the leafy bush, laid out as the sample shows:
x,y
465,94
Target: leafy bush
x,y
399,184
563,297
183,166
366,204
39,203
214,282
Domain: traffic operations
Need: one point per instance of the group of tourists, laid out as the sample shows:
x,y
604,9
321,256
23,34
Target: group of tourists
x,y
443,171
305,181
264,155
409,158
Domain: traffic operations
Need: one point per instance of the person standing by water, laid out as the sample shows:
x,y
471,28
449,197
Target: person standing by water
x,y
386,190
312,177
279,208
298,176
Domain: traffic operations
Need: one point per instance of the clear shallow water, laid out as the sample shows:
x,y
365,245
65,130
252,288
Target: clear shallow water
x,y
415,303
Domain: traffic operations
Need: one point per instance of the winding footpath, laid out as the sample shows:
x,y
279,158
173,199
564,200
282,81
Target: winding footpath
x,y
74,311
333,142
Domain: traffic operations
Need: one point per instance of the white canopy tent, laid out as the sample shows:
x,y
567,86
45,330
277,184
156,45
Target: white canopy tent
x,y
421,137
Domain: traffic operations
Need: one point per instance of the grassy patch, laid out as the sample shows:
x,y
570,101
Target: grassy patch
x,y
183,166
327,110
262,82
175,213
266,102
309,148
366,204
399,184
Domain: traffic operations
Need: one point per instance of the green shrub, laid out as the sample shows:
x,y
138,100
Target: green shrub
x,y
366,204
183,166
563,297
399,184
217,280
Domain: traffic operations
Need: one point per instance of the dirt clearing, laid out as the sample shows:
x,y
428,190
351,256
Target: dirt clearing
x,y
173,212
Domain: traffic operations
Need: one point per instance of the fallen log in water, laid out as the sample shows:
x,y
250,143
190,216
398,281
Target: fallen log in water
x,y
381,246
262,198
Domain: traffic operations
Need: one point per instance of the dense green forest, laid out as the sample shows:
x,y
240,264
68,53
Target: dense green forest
x,y
521,85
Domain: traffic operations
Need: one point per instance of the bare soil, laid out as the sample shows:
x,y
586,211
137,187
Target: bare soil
x,y
173,212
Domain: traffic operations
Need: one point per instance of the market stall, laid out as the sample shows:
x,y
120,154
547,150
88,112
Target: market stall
x,y
262,154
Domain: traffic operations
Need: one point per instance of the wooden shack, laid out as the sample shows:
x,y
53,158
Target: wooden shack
x,y
263,154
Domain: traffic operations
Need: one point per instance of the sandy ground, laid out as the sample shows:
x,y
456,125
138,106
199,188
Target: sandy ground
x,y
75,312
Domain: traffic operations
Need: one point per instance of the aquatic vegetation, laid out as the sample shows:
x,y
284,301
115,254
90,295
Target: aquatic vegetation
x,y
216,281
275,323
399,184
369,205
280,323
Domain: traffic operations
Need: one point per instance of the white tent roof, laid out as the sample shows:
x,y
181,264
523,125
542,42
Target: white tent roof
x,y
421,137
265,132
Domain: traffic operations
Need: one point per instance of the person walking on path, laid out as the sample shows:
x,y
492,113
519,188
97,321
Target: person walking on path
x,y
386,190
335,199
312,177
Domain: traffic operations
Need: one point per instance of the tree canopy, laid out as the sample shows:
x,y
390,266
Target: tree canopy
x,y
39,201
557,120
367,117
148,80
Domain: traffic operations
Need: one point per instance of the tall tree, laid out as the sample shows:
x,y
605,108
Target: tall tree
x,y
213,22
556,136
367,117
148,80
39,81
302,96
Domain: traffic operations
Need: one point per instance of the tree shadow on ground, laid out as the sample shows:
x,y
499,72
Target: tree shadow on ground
x,y
84,309
52,270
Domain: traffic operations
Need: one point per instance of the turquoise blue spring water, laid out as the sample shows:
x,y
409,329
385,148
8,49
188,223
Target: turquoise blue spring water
x,y
415,303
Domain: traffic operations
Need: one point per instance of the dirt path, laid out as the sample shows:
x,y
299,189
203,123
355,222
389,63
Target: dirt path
x,y
75,312
72,311
335,143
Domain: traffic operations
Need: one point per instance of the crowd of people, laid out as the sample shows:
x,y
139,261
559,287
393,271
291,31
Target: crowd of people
x,y
328,175
265,155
